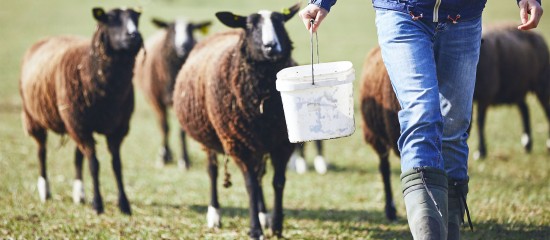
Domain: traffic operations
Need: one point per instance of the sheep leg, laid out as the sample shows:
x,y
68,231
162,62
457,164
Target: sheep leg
x,y
481,112
319,147
384,168
279,160
526,137
40,136
544,99
213,216
165,154
78,186
184,162
252,186
319,162
89,151
383,153
114,141
298,162
263,215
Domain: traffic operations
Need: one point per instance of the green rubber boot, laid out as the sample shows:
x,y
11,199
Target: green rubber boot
x,y
457,204
425,196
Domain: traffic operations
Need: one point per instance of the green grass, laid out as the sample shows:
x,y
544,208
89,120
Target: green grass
x,y
510,190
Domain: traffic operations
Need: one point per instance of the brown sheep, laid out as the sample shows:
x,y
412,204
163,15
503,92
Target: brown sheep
x,y
225,98
379,107
76,86
166,51
511,64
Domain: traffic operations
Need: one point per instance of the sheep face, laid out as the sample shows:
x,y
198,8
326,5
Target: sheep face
x,y
180,35
266,37
121,29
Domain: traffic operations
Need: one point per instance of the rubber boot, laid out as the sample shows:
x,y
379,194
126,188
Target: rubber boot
x,y
457,204
425,197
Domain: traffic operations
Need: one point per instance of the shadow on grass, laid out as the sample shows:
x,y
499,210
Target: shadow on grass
x,y
494,230
376,224
313,214
339,168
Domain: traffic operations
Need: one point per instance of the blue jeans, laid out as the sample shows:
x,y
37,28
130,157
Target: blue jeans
x,y
432,67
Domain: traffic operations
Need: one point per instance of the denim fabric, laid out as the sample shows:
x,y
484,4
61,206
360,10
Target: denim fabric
x,y
432,67
326,4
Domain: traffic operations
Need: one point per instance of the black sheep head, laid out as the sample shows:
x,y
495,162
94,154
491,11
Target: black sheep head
x,y
266,36
120,28
180,35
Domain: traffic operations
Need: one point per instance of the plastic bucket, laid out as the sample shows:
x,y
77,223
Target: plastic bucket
x,y
323,110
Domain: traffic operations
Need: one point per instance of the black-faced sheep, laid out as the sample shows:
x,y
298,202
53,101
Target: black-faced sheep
x,y
379,108
76,86
511,64
298,163
225,98
166,51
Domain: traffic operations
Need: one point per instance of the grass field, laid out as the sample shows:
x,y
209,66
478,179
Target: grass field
x,y
510,190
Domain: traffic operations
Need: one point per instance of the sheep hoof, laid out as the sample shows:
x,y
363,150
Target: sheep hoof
x,y
548,144
320,164
478,155
183,165
164,157
124,205
78,191
292,161
97,205
213,217
526,142
391,212
301,166
256,234
265,220
43,189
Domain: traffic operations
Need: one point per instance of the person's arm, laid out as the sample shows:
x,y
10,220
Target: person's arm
x,y
526,8
317,10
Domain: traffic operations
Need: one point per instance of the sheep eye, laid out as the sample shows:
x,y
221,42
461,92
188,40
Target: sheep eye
x,y
254,19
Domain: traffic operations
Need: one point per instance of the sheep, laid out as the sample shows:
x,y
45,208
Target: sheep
x,y
379,108
75,86
511,64
298,163
225,98
155,74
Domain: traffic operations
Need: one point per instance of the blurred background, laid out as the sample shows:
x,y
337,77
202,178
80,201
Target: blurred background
x,y
509,190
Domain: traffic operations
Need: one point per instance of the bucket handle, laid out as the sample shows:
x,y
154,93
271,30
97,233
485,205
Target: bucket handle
x,y
312,21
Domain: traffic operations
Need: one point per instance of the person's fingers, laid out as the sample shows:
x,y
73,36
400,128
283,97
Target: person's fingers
x,y
304,15
309,12
523,14
321,14
532,21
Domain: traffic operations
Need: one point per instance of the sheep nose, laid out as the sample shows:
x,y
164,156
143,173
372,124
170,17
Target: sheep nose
x,y
270,47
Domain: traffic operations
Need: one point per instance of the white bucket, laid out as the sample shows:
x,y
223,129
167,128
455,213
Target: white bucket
x,y
323,110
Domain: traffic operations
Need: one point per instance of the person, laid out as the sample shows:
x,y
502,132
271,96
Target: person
x,y
431,49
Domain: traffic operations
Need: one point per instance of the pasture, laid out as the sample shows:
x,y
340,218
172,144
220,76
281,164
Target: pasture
x,y
509,190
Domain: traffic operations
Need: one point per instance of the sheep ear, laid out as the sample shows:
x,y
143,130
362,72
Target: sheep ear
x,y
231,20
159,23
138,9
203,27
99,14
289,12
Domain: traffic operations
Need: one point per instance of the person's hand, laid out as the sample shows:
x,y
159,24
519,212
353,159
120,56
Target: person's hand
x,y
526,8
315,12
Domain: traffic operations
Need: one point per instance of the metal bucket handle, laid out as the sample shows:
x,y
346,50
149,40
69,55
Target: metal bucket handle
x,y
312,21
